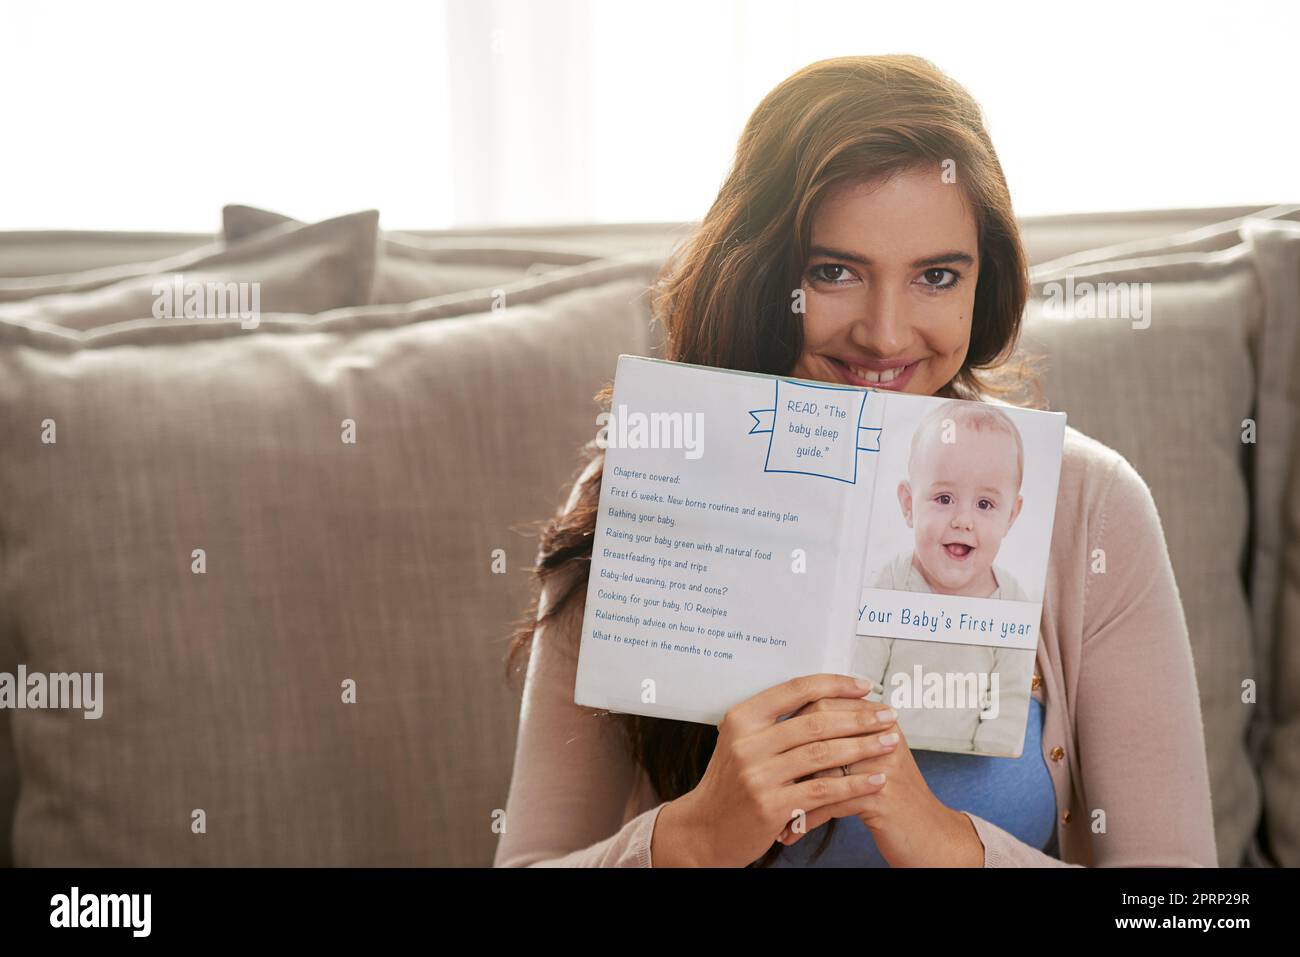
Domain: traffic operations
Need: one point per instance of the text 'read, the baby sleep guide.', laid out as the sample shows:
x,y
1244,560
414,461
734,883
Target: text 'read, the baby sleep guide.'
x,y
753,528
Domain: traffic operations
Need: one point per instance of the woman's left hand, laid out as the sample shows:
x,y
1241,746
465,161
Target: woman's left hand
x,y
911,827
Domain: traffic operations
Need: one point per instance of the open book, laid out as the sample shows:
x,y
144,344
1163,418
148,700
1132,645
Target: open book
x,y
754,527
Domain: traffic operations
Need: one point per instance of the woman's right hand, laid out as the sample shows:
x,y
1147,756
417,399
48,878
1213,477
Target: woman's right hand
x,y
753,785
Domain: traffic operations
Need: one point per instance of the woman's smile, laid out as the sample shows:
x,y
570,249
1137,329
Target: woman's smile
x,y
879,375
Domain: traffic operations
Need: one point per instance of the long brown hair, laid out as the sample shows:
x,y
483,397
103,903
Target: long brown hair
x,y
724,297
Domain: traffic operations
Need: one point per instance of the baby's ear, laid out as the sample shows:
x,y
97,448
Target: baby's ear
x,y
1015,512
905,500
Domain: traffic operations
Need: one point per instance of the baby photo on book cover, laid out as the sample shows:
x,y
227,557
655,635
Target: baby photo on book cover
x,y
959,510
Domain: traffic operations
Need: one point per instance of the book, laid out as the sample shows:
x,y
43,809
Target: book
x,y
753,528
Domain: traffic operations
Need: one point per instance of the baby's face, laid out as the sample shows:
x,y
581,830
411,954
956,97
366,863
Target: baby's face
x,y
961,499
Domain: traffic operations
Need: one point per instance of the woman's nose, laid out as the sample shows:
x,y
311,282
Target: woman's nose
x,y
881,329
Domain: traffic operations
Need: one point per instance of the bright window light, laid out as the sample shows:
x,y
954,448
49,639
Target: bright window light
x,y
441,113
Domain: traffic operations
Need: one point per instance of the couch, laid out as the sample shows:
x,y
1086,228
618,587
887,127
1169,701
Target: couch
x,y
293,540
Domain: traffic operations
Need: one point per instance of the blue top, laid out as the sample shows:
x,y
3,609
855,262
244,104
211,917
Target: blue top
x,y
1016,794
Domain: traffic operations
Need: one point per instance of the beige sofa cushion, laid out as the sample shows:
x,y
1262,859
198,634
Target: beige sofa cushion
x,y
1171,396
1272,234
411,267
1279,492
326,562
1094,236
295,268
41,252
1202,239
25,253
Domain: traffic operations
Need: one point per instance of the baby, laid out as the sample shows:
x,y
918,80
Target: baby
x,y
961,497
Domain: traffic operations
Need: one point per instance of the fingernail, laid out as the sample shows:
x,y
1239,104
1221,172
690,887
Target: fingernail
x,y
888,739
877,778
866,684
886,716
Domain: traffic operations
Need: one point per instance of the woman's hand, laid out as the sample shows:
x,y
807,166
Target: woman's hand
x,y
911,827
763,773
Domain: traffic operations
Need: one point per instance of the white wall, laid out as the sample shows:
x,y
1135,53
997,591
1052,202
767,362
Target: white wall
x,y
151,115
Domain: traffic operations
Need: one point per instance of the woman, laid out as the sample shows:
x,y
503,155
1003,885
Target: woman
x,y
865,235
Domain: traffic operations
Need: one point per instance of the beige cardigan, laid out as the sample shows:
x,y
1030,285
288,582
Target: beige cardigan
x,y
1122,733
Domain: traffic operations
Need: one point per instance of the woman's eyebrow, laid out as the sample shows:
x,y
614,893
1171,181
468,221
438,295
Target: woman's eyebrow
x,y
948,258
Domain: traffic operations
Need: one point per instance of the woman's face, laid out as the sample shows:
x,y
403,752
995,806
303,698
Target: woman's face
x,y
890,284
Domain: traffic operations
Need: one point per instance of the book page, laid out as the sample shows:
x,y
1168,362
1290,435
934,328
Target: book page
x,y
729,547
952,594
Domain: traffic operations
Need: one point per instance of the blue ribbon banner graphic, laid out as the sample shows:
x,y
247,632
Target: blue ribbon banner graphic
x,y
815,430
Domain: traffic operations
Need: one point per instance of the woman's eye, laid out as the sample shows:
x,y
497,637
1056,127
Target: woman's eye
x,y
831,273
934,278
